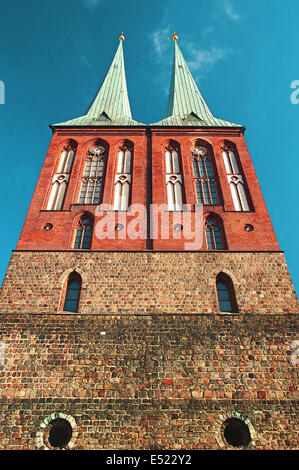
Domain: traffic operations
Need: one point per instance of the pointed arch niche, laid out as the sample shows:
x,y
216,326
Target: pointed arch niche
x,y
235,177
123,176
214,233
173,177
204,172
226,296
62,175
93,178
71,292
83,232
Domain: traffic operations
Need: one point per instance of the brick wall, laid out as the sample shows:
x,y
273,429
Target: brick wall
x,y
150,382
148,186
147,282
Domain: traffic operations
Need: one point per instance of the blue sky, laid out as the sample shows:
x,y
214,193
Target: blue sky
x,y
243,55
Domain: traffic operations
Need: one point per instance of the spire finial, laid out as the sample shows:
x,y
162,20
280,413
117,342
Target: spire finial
x,y
121,37
175,37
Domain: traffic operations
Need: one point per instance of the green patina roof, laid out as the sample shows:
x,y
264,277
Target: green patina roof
x,y
186,106
111,105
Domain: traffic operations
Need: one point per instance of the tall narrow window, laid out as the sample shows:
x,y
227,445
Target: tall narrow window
x,y
83,232
235,179
122,179
173,178
72,294
226,294
92,181
61,178
203,176
214,234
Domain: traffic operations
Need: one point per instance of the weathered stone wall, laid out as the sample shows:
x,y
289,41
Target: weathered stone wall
x,y
147,282
151,381
144,425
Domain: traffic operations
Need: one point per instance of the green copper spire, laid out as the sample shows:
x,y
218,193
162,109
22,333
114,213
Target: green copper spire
x,y
111,104
186,106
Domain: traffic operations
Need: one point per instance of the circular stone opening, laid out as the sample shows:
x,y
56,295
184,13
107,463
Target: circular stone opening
x,y
60,433
236,433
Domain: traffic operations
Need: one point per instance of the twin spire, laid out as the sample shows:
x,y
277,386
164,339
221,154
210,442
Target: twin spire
x,y
185,107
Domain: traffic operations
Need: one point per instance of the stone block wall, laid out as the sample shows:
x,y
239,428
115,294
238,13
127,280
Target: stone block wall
x,y
149,382
147,282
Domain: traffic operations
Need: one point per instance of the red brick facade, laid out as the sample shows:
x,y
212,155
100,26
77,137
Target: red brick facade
x,y
148,186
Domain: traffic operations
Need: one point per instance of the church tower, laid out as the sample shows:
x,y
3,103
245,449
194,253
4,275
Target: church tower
x,y
147,304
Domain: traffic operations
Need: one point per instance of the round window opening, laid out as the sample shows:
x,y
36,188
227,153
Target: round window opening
x,y
60,433
178,227
48,227
237,433
248,227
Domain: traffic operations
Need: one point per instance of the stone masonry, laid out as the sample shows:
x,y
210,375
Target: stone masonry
x,y
149,382
146,282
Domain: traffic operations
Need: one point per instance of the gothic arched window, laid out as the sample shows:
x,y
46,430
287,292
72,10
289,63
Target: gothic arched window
x,y
83,232
122,178
72,295
66,159
61,178
235,178
93,176
203,175
226,294
214,234
174,182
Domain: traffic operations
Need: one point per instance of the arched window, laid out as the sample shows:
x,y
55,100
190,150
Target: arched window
x,y
174,181
203,175
214,234
83,232
226,294
66,158
61,178
235,178
122,178
93,176
72,295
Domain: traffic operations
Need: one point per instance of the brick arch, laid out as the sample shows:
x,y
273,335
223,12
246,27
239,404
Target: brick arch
x,y
72,142
219,222
228,143
117,147
215,216
64,276
231,145
171,143
122,142
197,142
80,214
76,219
226,271
94,142
63,279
